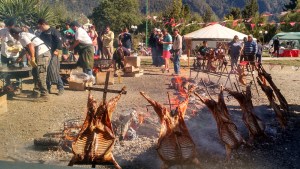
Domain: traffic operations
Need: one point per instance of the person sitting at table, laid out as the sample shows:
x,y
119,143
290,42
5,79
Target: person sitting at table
x,y
39,56
203,49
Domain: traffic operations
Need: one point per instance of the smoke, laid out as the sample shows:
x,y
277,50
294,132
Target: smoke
x,y
203,129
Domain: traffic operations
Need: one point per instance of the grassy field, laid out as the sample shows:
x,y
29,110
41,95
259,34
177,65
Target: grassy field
x,y
283,62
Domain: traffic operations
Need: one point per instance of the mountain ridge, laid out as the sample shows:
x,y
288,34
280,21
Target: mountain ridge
x,y
219,7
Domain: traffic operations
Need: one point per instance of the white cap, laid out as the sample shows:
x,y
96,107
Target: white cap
x,y
158,30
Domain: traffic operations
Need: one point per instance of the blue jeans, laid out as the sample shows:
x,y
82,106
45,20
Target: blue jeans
x,y
88,71
176,61
258,58
154,56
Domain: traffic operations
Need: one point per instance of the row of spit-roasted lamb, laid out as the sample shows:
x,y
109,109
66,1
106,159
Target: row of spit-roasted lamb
x,y
95,142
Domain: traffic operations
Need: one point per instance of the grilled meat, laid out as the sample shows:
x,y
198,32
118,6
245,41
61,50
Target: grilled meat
x,y
175,145
227,130
96,139
253,123
271,97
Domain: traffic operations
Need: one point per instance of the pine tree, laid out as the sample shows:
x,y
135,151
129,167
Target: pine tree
x,y
291,5
250,9
235,13
208,15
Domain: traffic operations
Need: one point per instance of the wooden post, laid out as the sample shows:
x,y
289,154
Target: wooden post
x,y
188,55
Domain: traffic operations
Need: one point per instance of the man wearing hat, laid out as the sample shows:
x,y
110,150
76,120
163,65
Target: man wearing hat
x,y
85,48
39,54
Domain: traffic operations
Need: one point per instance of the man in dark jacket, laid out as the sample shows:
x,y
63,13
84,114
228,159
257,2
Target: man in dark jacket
x,y
53,40
276,45
152,44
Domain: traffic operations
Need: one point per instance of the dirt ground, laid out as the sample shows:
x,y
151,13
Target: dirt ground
x,y
28,119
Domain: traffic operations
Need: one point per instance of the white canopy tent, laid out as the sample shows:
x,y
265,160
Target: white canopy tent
x,y
214,32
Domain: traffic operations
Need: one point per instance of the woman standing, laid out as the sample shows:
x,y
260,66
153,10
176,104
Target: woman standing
x,y
167,46
235,51
94,35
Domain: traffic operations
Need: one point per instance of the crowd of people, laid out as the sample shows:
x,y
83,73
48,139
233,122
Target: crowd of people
x,y
164,47
238,51
42,48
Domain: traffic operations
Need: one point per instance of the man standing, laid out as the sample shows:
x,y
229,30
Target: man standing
x,y
250,49
39,54
6,41
235,51
53,40
85,48
177,49
153,45
107,40
276,45
259,51
126,39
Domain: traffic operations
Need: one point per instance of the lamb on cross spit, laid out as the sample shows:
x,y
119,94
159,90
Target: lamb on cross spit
x,y
227,130
175,145
95,141
254,124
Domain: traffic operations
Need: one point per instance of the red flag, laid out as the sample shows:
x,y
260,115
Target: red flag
x,y
267,14
252,25
292,23
249,20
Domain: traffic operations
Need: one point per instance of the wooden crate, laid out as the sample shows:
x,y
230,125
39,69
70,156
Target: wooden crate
x,y
131,69
79,86
134,74
133,61
3,104
101,76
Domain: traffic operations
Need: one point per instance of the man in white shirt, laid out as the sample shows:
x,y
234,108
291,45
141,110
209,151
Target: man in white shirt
x,y
177,49
84,44
8,53
39,55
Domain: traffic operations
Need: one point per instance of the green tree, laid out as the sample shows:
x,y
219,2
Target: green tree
x,y
291,5
209,15
116,14
26,12
250,9
235,13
